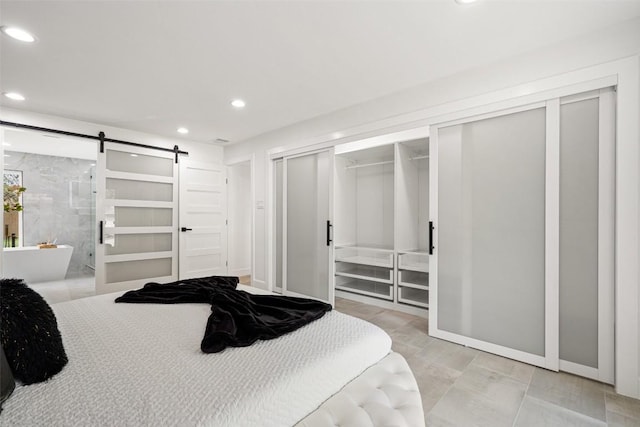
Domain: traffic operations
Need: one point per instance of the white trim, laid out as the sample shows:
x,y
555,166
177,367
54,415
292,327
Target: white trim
x,y
627,365
552,236
132,176
606,235
137,203
138,230
582,370
433,217
138,256
145,151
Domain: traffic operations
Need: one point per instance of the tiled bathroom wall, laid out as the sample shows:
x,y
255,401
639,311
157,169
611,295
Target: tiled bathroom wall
x,y
57,204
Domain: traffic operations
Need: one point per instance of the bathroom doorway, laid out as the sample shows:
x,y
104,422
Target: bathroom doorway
x,y
57,211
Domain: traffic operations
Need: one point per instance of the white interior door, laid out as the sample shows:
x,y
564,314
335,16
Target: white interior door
x,y
203,230
137,215
307,217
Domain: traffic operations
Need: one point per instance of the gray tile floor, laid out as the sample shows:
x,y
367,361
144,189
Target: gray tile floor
x,y
461,386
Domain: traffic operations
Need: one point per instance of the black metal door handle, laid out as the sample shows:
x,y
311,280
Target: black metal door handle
x,y
431,238
101,238
183,229
329,233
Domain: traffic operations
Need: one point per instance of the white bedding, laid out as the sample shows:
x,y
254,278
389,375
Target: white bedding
x,y
141,364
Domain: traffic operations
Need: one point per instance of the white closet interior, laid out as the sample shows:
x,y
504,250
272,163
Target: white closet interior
x,y
412,225
363,230
381,205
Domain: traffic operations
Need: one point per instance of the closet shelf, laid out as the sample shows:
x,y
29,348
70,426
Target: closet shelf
x,y
365,256
414,261
365,287
364,277
412,296
413,279
366,272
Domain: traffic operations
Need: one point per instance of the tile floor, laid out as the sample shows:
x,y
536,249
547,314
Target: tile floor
x,y
461,386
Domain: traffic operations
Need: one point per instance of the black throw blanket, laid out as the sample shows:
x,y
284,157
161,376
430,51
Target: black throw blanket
x,y
238,318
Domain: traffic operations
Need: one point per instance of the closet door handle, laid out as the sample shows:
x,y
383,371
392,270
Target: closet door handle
x,y
183,229
431,238
329,240
101,227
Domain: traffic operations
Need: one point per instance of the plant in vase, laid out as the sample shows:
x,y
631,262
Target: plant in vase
x,y
12,197
12,205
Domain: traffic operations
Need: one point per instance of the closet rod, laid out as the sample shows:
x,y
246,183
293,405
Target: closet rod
x,y
100,138
364,165
426,156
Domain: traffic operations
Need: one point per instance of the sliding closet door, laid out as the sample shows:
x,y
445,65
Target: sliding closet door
x,y
587,202
137,213
307,211
489,176
523,209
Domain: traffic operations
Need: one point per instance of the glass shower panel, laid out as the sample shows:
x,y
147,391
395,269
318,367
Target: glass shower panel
x,y
491,231
307,214
579,141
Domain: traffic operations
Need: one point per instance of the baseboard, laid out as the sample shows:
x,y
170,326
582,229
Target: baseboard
x,y
246,271
260,284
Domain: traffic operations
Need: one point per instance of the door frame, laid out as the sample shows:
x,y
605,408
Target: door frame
x,y
251,159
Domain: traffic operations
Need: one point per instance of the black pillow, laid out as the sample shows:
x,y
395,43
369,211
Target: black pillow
x,y
7,383
29,333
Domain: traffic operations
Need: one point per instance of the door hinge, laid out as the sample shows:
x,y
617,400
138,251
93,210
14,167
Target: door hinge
x,y
226,263
226,222
226,180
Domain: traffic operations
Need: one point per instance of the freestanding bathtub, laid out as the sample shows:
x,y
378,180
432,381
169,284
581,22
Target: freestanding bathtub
x,y
36,265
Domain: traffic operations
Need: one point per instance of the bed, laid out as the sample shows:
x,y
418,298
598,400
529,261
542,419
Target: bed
x,y
142,365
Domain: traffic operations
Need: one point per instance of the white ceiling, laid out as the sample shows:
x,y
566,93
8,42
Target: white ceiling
x,y
156,65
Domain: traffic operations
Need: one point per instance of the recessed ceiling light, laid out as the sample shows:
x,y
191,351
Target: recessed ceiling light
x,y
7,155
14,95
238,103
183,130
133,155
6,144
465,1
18,34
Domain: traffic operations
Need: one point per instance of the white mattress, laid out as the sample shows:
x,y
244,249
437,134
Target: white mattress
x,y
141,364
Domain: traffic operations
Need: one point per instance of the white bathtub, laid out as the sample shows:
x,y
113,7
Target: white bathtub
x,y
36,265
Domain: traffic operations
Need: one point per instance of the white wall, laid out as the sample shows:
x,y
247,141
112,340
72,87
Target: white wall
x,y
201,151
384,114
556,66
239,216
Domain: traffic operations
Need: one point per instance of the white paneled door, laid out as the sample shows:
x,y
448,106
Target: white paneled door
x,y
137,215
203,230
306,221
522,204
